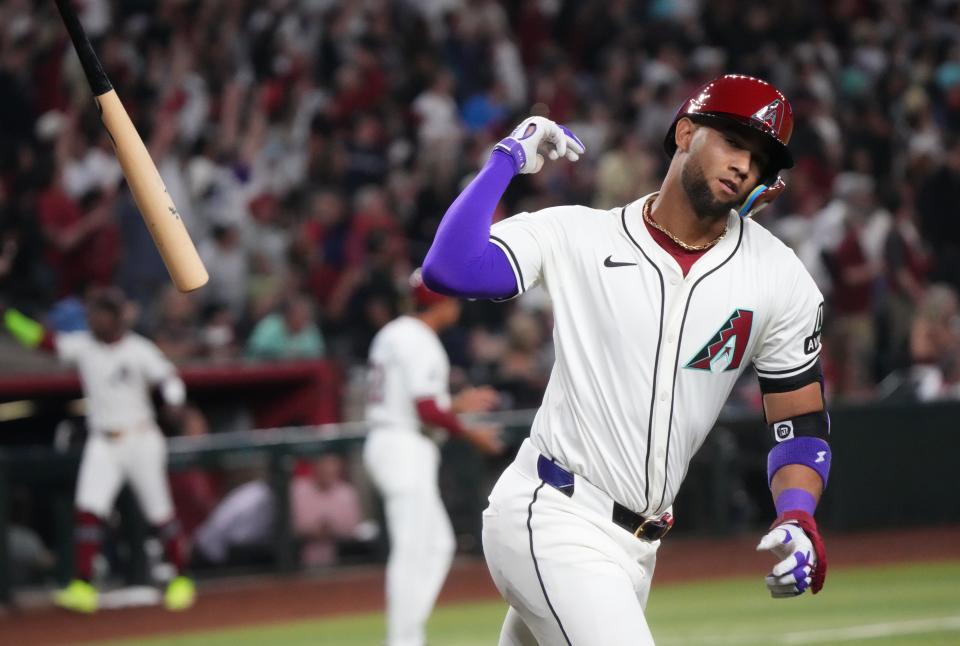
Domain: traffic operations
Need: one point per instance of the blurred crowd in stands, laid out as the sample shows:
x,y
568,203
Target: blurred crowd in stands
x,y
312,147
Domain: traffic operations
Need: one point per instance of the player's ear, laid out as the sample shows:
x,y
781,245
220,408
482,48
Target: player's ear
x,y
683,134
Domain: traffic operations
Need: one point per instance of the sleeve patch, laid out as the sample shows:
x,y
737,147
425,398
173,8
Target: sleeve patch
x,y
811,344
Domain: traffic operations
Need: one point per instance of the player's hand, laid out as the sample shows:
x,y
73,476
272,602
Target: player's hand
x,y
485,438
476,400
526,139
801,556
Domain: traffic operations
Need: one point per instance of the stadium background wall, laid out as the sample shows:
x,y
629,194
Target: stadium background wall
x,y
880,447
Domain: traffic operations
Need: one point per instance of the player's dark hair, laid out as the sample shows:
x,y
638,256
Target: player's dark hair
x,y
108,299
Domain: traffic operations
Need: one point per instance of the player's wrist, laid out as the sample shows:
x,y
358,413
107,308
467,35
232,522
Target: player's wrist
x,y
797,517
795,499
509,149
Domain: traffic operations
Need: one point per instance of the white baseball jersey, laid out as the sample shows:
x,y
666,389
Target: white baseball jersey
x,y
116,377
407,363
645,357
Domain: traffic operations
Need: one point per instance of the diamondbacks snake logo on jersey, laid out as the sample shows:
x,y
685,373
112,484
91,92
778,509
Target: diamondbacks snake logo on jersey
x,y
724,351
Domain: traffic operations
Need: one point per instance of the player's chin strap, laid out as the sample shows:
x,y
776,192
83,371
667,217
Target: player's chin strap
x,y
760,197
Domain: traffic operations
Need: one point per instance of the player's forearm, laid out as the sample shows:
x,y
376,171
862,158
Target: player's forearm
x,y
796,487
462,261
432,415
798,466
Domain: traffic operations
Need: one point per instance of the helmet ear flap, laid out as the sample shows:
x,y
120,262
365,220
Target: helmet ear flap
x,y
760,197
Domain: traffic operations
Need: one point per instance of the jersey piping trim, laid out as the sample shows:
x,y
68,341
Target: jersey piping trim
x,y
673,388
536,566
656,361
514,265
788,372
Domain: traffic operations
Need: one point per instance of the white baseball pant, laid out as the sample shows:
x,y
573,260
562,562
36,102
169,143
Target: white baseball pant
x,y
404,466
137,455
570,575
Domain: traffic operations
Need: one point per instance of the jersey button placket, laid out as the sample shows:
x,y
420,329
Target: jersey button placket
x,y
665,378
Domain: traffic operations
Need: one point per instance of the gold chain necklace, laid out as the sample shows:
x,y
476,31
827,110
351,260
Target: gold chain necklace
x,y
648,207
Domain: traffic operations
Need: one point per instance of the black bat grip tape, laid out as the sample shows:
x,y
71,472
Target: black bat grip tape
x,y
97,78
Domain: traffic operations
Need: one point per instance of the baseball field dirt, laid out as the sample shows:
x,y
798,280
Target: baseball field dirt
x,y
354,591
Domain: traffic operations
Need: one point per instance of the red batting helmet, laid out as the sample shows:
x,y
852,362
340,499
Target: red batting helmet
x,y
423,296
744,101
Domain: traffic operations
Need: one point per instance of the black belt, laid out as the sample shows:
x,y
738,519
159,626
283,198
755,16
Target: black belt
x,y
646,529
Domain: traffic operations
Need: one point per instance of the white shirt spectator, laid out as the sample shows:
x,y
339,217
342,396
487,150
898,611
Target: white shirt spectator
x,y
227,264
97,169
439,120
509,71
243,519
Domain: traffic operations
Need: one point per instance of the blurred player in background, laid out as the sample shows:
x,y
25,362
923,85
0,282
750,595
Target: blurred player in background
x,y
118,370
409,390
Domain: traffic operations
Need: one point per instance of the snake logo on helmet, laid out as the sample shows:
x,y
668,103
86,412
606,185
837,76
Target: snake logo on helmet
x,y
744,102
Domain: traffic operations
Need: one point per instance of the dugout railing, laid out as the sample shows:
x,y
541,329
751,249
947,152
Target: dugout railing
x,y
893,465
52,473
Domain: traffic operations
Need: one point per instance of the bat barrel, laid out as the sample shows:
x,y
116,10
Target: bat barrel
x,y
156,206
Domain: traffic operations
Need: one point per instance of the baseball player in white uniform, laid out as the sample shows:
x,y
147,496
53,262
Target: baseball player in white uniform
x,y
118,370
408,390
659,306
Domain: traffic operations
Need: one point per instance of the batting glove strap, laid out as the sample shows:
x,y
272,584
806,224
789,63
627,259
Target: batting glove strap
x,y
535,135
806,522
514,149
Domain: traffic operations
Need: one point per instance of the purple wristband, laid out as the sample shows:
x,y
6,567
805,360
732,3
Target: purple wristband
x,y
809,451
512,147
795,500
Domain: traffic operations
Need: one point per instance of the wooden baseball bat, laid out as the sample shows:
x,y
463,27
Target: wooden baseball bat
x,y
156,206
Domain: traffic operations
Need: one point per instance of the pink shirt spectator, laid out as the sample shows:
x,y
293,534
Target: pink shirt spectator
x,y
325,509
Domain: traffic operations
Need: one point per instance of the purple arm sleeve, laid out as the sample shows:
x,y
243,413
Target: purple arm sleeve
x,y
462,261
795,499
